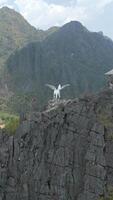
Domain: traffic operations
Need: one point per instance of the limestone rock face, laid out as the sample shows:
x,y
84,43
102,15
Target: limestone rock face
x,y
62,153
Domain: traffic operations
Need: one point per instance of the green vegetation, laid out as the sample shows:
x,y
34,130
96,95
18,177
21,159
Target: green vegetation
x,y
30,58
16,32
9,122
106,120
110,194
20,103
12,125
72,54
105,117
110,136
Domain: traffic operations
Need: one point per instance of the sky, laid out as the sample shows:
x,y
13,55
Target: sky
x,y
96,15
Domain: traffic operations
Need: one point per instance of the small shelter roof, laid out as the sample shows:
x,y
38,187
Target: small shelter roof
x,y
109,72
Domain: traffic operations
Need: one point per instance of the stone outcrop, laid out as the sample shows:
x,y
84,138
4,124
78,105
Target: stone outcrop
x,y
62,153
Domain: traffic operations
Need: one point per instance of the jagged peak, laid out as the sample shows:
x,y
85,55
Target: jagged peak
x,y
75,25
13,16
6,9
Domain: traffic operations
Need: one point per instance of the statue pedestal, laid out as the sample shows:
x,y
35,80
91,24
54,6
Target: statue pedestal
x,y
55,102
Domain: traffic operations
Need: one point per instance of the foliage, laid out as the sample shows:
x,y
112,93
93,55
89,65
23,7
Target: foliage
x,y
16,32
10,121
20,103
72,55
110,194
12,125
105,117
106,120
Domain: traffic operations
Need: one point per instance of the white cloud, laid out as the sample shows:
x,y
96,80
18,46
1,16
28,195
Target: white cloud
x,y
94,9
8,3
96,3
43,15
3,2
46,13
104,3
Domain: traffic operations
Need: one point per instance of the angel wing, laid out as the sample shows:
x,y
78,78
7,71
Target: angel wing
x,y
65,86
51,86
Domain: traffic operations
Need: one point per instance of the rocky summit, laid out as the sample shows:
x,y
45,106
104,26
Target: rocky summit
x,y
71,55
62,153
31,58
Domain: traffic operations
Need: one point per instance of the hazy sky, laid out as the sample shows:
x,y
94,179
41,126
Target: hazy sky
x,y
96,15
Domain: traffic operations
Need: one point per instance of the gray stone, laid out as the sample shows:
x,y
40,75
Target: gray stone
x,y
61,153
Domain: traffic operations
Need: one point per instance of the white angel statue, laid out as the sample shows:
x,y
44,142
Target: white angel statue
x,y
56,92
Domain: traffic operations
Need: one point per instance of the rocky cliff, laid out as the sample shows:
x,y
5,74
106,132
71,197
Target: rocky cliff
x,y
62,153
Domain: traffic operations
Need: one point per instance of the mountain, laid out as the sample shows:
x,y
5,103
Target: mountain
x,y
16,32
71,55
62,153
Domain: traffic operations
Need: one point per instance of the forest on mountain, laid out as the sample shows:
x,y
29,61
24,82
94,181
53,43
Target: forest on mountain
x,y
70,55
32,58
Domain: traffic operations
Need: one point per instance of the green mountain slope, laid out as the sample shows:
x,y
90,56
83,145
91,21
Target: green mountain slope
x,y
70,55
15,32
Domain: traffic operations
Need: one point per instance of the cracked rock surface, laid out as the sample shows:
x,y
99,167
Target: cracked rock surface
x,y
62,153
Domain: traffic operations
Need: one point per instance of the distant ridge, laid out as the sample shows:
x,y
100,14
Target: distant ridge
x,y
15,32
72,54
74,25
